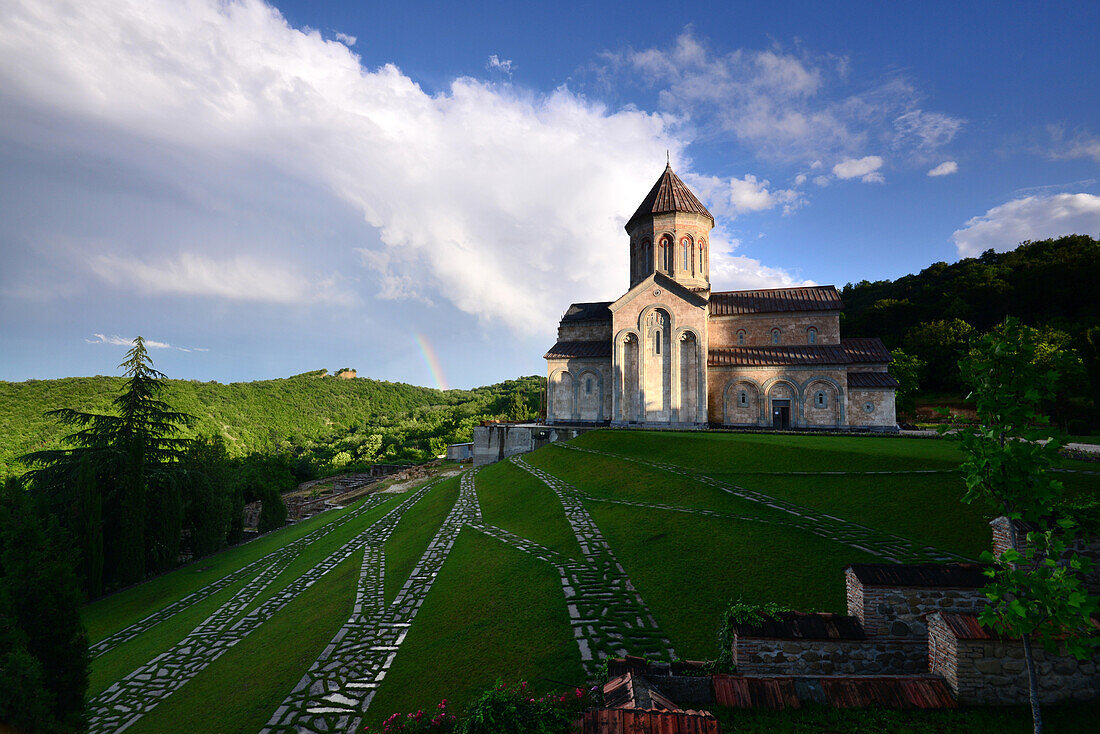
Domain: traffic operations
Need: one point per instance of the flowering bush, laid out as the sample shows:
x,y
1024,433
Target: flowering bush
x,y
439,721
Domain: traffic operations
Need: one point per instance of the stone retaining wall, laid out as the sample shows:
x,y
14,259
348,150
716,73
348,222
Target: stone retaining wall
x,y
883,656
898,611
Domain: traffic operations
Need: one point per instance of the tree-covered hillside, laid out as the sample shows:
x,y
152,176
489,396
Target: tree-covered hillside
x,y
304,415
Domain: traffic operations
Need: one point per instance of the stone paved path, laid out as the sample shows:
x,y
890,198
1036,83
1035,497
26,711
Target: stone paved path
x,y
607,615
126,701
252,569
885,545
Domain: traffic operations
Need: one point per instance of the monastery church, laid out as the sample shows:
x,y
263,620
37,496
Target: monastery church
x,y
670,352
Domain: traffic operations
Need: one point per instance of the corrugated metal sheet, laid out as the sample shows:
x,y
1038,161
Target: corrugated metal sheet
x,y
596,311
633,691
775,300
923,575
849,351
805,625
669,194
577,350
628,721
755,693
893,693
871,379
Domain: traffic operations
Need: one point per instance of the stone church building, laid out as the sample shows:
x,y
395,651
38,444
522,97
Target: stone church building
x,y
670,352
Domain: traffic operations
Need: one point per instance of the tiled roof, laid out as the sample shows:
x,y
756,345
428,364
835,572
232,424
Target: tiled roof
x,y
871,379
849,351
967,627
669,194
775,300
922,575
631,721
807,626
597,311
741,692
754,693
572,350
630,691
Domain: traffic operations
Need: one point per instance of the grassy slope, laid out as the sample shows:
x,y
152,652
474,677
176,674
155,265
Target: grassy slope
x,y
413,533
514,500
239,691
688,568
494,612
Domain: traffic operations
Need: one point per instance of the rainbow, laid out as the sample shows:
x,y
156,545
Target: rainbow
x,y
433,362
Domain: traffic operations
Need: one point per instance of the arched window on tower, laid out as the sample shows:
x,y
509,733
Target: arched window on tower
x,y
686,258
811,335
775,336
740,337
647,258
666,254
702,257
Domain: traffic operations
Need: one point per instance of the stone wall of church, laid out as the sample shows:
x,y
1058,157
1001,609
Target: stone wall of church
x,y
578,390
740,396
793,328
868,408
584,331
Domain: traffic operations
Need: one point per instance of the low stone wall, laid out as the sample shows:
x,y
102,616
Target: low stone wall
x,y
495,442
899,611
991,671
1088,549
881,656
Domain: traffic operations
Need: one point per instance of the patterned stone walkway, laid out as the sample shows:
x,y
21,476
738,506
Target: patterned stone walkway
x,y
607,615
885,545
254,568
126,701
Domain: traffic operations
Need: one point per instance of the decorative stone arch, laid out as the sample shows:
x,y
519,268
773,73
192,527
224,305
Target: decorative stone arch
x,y
736,413
782,387
830,414
812,333
690,380
704,265
626,383
589,389
666,248
561,401
686,262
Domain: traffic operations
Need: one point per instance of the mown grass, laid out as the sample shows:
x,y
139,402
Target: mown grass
x,y
238,692
514,500
898,504
743,452
112,613
414,532
493,612
814,719
688,568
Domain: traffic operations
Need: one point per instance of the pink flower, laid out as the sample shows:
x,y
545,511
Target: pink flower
x,y
580,694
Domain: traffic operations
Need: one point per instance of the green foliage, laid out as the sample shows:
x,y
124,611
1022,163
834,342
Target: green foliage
x,y
740,613
440,721
513,710
940,345
44,657
906,369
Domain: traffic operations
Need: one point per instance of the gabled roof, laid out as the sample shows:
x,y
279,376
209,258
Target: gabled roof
x,y
579,350
660,280
775,300
597,311
849,351
669,194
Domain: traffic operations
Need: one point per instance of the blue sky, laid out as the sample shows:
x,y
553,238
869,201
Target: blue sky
x,y
262,190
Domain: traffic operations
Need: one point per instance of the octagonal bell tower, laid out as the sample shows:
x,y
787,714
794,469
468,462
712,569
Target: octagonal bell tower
x,y
670,234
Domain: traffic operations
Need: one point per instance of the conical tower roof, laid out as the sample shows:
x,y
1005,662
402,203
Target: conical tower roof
x,y
669,194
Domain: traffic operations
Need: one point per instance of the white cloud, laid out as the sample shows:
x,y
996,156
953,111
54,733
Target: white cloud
x,y
496,63
784,105
120,341
483,195
866,169
736,196
944,169
1004,227
237,279
345,39
1081,145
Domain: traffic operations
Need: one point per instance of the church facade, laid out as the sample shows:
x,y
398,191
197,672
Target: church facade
x,y
670,352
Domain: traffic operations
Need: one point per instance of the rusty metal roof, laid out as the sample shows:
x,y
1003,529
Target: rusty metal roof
x,y
871,379
578,350
893,693
805,625
921,575
632,721
669,194
632,691
775,300
597,311
849,351
754,693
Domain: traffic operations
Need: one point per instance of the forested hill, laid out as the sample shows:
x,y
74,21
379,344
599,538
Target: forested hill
x,y
306,412
1047,283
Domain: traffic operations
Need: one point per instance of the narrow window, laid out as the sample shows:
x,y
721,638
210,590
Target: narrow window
x,y
812,333
744,399
741,338
821,399
588,386
685,243
657,342
775,336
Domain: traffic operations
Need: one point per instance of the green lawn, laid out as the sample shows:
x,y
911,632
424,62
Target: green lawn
x,y
238,692
688,568
514,500
414,532
493,612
